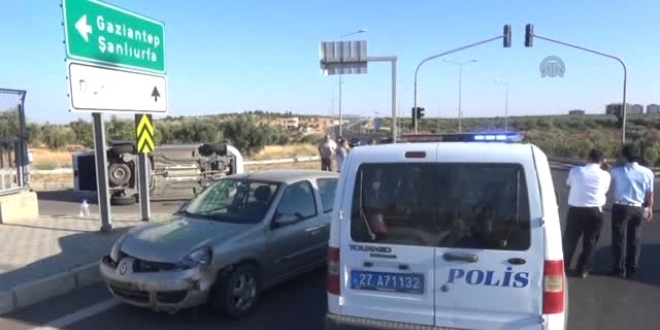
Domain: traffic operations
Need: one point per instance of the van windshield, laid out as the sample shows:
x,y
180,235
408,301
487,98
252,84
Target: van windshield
x,y
453,205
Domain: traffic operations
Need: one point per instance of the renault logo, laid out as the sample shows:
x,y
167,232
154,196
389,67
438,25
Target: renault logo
x,y
123,268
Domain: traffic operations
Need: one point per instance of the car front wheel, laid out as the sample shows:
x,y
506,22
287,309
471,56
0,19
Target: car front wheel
x,y
236,294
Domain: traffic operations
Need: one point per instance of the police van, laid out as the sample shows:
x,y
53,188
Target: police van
x,y
458,234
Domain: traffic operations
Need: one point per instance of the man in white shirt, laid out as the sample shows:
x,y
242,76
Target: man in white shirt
x,y
587,195
327,149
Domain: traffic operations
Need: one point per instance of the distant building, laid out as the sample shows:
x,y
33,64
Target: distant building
x,y
576,112
615,108
289,122
653,109
637,109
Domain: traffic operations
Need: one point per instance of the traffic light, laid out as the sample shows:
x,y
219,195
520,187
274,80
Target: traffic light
x,y
416,114
420,113
507,36
529,35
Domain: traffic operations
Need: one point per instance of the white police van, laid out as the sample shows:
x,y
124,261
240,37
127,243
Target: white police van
x,y
460,234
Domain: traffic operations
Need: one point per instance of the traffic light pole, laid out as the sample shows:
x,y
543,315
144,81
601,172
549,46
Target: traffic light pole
x,y
440,55
625,76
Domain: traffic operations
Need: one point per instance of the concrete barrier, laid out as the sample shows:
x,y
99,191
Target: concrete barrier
x,y
18,207
31,293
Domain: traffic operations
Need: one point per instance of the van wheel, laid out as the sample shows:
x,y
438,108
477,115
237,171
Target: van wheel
x,y
122,148
123,200
236,294
208,149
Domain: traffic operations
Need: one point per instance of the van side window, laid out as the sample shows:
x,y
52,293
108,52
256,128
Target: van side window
x,y
451,205
327,189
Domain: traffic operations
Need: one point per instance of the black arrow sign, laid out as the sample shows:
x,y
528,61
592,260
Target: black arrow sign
x,y
155,94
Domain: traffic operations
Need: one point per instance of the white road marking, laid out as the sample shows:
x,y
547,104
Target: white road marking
x,y
78,316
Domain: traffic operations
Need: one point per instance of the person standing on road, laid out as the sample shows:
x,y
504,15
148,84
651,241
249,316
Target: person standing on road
x,y
587,195
327,149
342,152
633,202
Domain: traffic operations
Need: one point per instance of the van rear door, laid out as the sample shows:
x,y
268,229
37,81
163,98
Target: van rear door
x,y
489,259
386,254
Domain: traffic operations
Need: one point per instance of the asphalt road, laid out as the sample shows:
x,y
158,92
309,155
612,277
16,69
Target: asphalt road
x,y
596,303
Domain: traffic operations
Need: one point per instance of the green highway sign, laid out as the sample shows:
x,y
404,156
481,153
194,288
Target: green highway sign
x,y
101,33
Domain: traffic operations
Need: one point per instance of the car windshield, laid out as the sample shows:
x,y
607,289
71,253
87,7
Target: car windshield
x,y
233,200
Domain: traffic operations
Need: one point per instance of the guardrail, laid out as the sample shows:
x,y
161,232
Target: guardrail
x,y
246,163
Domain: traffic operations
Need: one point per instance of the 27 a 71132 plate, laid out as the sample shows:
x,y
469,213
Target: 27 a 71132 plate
x,y
412,283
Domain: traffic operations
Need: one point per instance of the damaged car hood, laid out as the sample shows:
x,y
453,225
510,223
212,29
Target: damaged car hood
x,y
173,241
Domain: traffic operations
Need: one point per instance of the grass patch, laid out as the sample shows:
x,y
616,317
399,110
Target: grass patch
x,y
45,159
288,151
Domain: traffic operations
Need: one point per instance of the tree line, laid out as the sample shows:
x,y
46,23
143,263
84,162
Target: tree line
x,y
247,131
559,136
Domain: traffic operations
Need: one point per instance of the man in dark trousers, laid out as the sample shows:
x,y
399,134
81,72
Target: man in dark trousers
x,y
587,195
633,203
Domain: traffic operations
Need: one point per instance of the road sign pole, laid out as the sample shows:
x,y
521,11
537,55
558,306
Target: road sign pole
x,y
102,172
143,184
393,60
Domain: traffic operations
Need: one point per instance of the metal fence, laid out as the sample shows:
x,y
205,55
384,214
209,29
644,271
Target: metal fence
x,y
14,163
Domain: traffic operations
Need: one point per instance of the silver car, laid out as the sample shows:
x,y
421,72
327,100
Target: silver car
x,y
241,235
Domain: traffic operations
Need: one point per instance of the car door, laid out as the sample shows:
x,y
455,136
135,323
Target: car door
x,y
489,260
320,228
387,271
293,229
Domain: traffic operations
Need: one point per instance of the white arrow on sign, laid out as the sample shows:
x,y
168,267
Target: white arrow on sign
x,y
83,28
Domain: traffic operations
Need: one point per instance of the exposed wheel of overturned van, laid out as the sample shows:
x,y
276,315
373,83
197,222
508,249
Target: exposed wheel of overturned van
x,y
208,149
119,200
122,148
119,174
237,293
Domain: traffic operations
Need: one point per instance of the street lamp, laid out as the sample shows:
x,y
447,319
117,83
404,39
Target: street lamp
x,y
460,88
341,83
506,102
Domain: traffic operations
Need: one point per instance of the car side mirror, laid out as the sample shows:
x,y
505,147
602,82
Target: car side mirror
x,y
282,219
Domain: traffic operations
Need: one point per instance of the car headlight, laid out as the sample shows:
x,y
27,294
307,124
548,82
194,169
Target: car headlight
x,y
201,256
116,249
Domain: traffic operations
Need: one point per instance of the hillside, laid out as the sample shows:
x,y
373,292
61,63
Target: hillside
x,y
559,136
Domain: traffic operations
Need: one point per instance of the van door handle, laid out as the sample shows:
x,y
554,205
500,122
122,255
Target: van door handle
x,y
517,261
460,257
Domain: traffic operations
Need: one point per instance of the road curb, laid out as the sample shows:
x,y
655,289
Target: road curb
x,y
31,293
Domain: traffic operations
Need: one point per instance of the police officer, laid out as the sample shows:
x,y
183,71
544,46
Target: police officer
x,y
587,195
633,203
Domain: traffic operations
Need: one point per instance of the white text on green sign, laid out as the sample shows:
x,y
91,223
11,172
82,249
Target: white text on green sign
x,y
98,32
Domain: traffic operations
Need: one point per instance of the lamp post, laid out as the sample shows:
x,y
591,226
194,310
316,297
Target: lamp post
x,y
506,102
460,89
341,83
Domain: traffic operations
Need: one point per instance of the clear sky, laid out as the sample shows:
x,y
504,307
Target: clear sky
x,y
227,56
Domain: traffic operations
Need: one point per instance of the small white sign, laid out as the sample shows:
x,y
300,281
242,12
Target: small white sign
x,y
94,88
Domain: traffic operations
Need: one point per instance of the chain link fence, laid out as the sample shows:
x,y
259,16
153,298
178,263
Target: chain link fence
x,y
14,162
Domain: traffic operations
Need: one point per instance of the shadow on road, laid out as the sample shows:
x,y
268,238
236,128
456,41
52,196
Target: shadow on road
x,y
649,272
67,196
298,304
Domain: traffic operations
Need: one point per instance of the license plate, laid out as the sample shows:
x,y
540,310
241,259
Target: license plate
x,y
412,283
